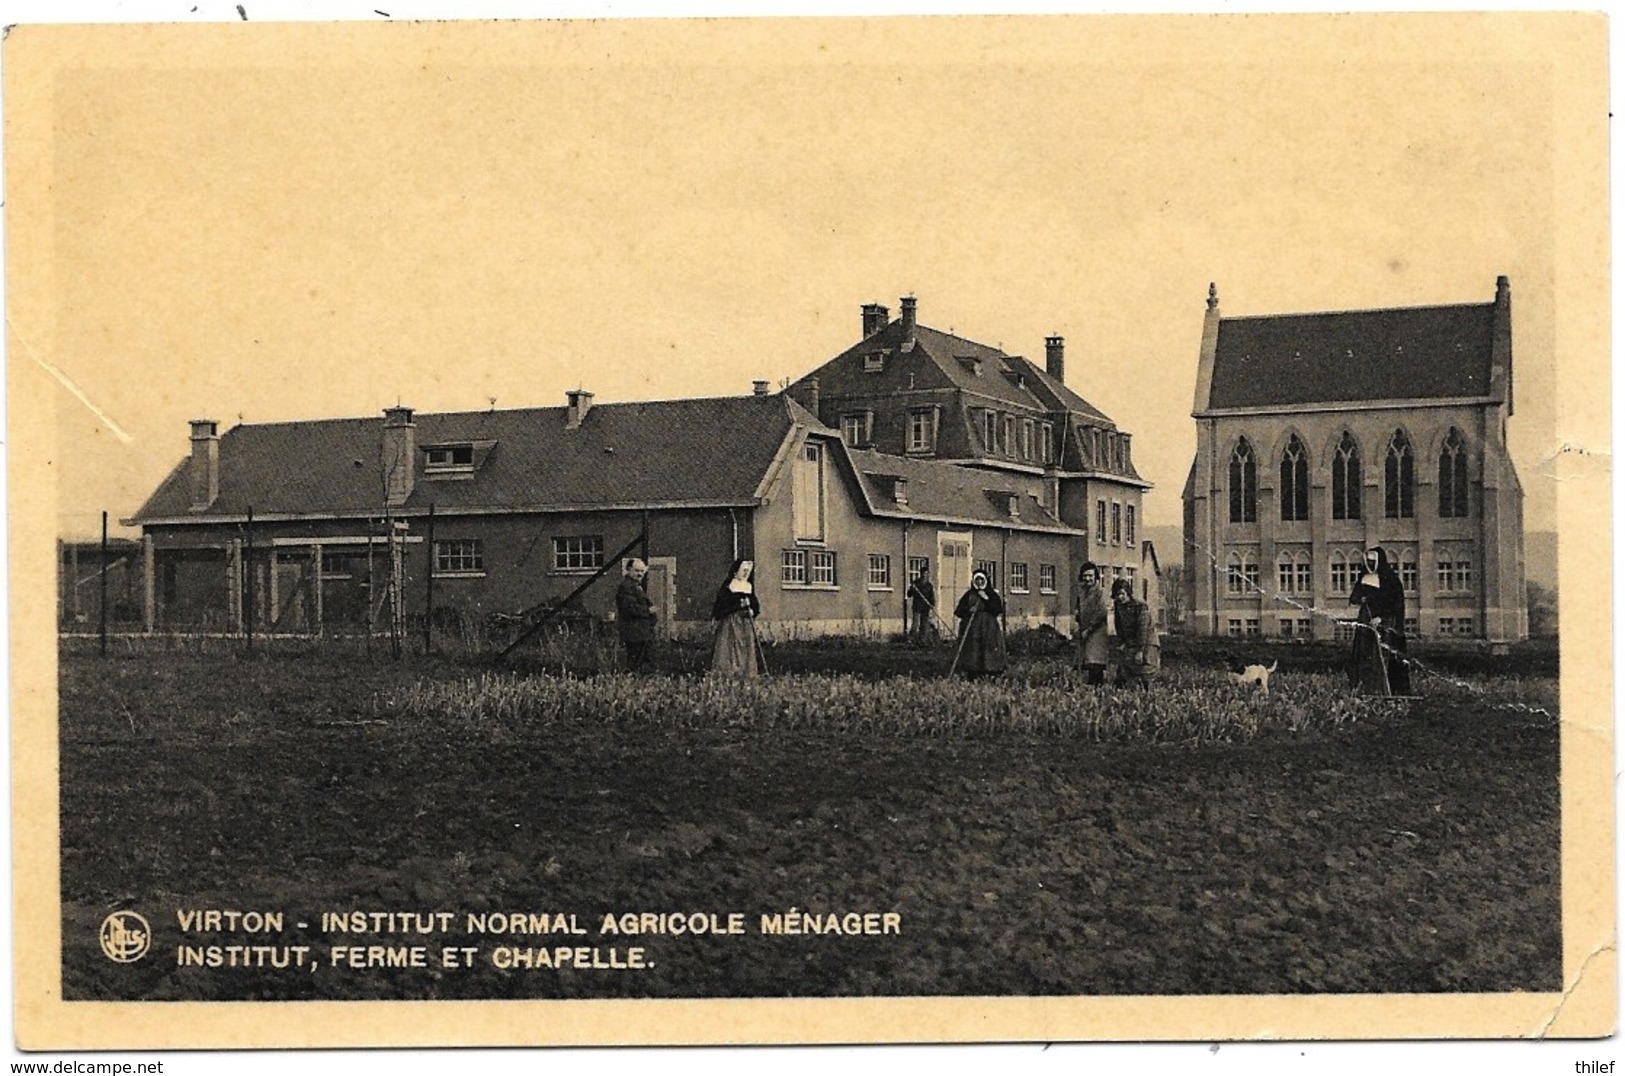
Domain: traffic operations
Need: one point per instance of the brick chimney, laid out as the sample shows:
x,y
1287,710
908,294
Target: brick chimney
x,y
758,388
1055,357
399,454
577,403
204,470
909,303
875,318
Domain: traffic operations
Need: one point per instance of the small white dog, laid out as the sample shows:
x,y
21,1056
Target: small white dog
x,y
1252,675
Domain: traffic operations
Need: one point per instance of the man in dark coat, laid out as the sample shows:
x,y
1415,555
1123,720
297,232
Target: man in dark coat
x,y
922,606
635,614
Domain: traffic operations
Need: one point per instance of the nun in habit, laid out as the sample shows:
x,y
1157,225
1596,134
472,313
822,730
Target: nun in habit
x,y
734,648
1377,664
981,632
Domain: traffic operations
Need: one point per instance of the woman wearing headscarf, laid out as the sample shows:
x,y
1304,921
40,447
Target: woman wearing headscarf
x,y
1377,663
981,632
734,647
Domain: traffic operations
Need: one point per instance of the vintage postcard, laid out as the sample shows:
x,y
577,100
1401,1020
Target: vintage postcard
x,y
813,530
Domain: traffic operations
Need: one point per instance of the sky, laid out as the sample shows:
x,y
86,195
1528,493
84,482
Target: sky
x,y
267,230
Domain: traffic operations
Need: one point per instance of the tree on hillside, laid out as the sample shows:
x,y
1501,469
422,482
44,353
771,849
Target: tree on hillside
x,y
1173,595
1542,611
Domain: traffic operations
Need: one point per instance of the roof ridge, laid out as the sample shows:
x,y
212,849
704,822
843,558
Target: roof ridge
x,y
1357,310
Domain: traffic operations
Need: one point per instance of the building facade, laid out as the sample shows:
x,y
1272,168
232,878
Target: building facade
x,y
1320,435
353,525
911,392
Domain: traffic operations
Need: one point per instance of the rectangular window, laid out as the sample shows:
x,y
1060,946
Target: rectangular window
x,y
1286,629
1018,578
874,362
794,572
1341,579
1046,578
916,565
1464,625
807,490
879,571
855,429
1117,523
1009,435
1455,572
578,553
988,568
1344,632
448,457
459,556
339,565
1285,580
1304,576
1046,443
1250,574
1407,574
1252,627
1100,522
922,431
1233,627
1413,627
990,431
821,567
1026,438
1128,524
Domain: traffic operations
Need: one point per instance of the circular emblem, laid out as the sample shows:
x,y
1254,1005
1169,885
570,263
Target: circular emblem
x,y
125,937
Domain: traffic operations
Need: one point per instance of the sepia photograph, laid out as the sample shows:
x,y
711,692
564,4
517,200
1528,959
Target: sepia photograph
x,y
909,529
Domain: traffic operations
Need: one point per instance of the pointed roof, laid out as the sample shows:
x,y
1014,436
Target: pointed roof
x,y
949,492
661,453
940,359
1355,356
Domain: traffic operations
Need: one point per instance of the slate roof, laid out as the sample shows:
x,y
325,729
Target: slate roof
x,y
703,451
941,490
844,376
1423,352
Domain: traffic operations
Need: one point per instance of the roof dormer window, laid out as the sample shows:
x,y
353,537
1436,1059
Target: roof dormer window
x,y
457,459
874,362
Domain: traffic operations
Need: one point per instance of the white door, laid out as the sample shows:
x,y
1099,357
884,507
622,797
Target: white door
x,y
953,570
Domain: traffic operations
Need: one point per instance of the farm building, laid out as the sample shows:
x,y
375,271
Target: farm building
x,y
304,525
1319,435
86,571
350,524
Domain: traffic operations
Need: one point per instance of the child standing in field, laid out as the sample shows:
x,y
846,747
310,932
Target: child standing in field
x,y
734,647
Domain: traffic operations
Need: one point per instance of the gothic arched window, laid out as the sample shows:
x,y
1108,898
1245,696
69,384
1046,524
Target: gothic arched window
x,y
1453,476
1399,478
1346,479
1294,481
1243,484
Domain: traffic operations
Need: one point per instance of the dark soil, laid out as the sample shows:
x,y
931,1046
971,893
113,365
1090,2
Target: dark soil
x,y
1418,853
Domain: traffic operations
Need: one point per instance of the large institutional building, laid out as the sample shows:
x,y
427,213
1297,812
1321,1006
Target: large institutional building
x,y
1320,435
913,450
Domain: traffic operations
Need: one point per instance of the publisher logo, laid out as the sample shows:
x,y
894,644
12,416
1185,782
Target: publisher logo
x,y
125,937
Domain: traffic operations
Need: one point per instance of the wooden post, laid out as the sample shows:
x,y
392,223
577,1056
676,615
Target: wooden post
x,y
103,628
316,588
234,592
248,572
149,587
73,582
428,589
273,592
